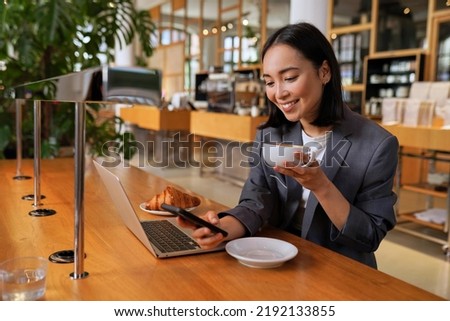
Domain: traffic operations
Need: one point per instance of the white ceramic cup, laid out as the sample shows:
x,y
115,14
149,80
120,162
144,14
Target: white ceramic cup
x,y
278,154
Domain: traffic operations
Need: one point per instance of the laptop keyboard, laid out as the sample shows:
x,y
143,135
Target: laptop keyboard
x,y
167,237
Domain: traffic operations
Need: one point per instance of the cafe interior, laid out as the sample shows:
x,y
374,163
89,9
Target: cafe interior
x,y
190,110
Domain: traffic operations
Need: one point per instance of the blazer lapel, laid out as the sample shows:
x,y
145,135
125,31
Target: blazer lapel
x,y
294,189
337,148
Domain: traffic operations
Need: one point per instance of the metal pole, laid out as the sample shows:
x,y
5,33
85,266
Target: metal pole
x,y
19,175
37,166
19,137
37,153
80,139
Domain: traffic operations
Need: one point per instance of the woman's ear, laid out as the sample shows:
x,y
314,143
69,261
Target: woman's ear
x,y
325,72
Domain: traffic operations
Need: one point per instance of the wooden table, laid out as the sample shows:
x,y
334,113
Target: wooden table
x,y
121,268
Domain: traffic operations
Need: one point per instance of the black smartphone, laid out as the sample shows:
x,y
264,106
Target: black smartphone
x,y
188,216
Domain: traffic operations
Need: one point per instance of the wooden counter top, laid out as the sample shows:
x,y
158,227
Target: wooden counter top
x,y
150,117
225,126
421,137
121,268
206,124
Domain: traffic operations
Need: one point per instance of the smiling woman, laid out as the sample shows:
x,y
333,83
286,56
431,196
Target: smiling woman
x,y
292,79
344,200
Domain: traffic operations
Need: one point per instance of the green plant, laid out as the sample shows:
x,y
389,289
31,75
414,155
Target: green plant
x,y
44,39
105,135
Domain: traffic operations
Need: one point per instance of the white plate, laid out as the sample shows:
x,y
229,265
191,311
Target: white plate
x,y
261,252
164,213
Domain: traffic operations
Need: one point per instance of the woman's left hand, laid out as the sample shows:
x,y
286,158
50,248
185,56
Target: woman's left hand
x,y
313,178
310,176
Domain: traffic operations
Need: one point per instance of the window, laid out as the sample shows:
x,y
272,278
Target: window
x,y
443,53
350,51
349,12
401,24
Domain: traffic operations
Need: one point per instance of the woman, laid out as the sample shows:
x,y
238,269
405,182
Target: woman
x,y
344,199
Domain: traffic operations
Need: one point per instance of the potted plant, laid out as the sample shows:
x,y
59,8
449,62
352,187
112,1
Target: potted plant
x,y
42,39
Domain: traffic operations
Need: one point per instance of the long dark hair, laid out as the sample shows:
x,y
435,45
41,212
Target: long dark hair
x,y
312,44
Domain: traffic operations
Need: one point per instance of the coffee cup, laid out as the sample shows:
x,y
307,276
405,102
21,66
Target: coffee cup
x,y
279,154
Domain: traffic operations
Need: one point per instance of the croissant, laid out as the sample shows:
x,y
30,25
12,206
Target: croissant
x,y
172,196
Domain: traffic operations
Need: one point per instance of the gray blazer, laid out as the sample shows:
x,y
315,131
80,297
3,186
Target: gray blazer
x,y
360,159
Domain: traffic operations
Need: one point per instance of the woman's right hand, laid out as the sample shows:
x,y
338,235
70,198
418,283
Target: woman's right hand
x,y
206,238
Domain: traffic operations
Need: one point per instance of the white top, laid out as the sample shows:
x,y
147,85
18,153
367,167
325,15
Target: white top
x,y
317,145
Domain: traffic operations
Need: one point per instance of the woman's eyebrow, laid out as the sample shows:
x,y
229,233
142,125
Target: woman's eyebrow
x,y
282,71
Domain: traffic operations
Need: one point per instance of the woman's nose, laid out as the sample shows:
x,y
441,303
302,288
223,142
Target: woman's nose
x,y
281,92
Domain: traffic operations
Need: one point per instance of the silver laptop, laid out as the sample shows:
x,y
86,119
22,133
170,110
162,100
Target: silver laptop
x,y
163,237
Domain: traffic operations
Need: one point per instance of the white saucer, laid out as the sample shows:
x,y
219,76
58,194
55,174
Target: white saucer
x,y
163,213
261,252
